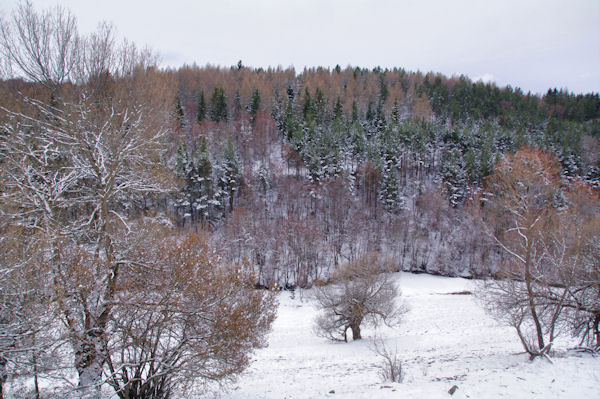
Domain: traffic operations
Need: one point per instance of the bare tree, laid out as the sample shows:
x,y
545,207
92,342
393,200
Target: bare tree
x,y
573,251
42,47
74,168
361,291
524,213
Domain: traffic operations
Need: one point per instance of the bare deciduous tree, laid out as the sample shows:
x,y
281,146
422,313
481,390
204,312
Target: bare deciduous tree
x,y
524,187
361,291
390,367
75,165
43,47
550,276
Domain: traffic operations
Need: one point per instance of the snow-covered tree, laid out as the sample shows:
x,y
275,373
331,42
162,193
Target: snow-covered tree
x,y
196,172
230,176
74,165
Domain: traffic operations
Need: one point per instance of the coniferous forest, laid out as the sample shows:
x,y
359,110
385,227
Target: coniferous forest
x,y
149,214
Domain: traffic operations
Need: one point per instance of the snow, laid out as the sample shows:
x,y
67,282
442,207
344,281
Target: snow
x,y
445,340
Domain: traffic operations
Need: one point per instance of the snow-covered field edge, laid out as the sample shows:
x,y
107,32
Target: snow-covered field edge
x,y
445,340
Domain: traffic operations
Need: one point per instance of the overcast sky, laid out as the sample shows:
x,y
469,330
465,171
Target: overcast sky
x,y
532,44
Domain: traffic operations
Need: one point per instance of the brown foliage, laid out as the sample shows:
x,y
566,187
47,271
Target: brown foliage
x,y
548,276
183,318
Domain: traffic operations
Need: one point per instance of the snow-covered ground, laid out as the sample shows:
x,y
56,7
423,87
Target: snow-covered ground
x,y
444,340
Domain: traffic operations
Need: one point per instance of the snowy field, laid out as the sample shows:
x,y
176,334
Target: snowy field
x,y
444,340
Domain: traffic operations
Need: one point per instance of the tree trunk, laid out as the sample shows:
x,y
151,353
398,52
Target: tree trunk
x,y
355,327
3,376
88,363
597,330
531,295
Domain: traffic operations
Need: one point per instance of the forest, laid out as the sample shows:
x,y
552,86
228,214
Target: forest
x,y
149,215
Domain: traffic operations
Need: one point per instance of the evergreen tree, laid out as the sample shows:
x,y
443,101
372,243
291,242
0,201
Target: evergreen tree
x,y
354,111
338,109
389,188
237,106
396,112
196,172
201,109
179,115
320,106
370,116
383,89
307,106
254,106
454,175
231,178
218,105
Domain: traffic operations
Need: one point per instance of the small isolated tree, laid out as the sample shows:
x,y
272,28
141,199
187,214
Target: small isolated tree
x,y
361,291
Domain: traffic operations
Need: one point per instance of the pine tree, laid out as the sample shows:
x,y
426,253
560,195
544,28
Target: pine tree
x,y
201,109
254,106
218,105
338,109
179,115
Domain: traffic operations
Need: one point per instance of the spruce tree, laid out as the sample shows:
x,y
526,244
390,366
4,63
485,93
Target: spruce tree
x,y
354,111
231,178
201,109
396,112
237,106
338,109
218,105
254,106
179,115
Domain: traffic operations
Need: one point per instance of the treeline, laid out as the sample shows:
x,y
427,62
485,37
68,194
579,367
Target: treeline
x,y
284,149
272,154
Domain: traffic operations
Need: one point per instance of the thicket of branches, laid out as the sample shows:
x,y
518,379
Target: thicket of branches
x,y
84,153
549,283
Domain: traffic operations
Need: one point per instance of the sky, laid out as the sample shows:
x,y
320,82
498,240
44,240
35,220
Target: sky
x,y
531,44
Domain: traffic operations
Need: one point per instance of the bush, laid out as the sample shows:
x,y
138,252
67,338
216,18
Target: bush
x,y
390,367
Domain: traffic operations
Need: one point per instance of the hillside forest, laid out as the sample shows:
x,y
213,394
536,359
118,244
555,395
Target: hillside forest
x,y
144,207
